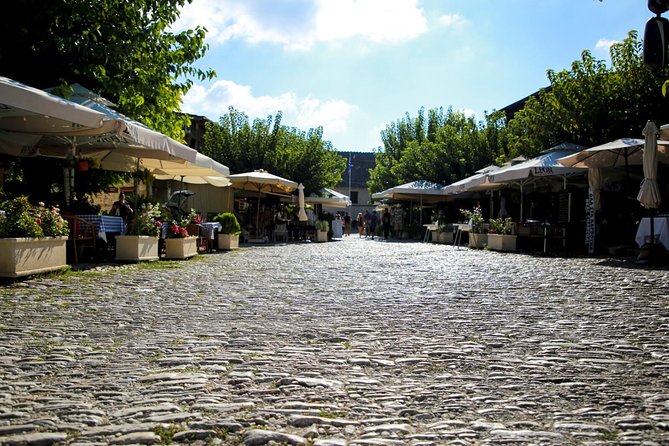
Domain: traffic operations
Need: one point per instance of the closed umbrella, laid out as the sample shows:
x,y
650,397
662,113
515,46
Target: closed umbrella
x,y
302,214
649,194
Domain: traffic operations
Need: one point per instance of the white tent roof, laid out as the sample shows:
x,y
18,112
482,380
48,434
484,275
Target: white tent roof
x,y
543,165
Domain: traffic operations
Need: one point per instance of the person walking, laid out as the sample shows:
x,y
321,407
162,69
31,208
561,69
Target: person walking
x,y
347,225
360,221
385,222
373,220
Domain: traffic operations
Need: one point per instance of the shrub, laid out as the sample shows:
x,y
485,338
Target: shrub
x,y
229,223
22,219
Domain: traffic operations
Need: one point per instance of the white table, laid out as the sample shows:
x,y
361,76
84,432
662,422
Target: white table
x,y
459,228
428,231
661,228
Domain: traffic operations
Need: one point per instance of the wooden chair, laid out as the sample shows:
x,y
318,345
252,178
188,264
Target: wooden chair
x,y
83,234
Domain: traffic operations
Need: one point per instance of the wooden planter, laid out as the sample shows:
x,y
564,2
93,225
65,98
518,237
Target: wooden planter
x,y
321,236
135,248
23,256
228,242
502,242
477,241
181,248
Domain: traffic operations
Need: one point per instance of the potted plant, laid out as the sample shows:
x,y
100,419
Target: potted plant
x,y
322,228
141,239
445,233
32,238
500,234
477,237
179,244
228,235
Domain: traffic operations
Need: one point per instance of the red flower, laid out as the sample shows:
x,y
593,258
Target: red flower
x,y
39,221
183,232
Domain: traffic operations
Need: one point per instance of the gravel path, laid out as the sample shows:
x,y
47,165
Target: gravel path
x,y
355,342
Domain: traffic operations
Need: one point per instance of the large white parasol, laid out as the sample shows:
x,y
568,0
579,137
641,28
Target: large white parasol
x,y
262,181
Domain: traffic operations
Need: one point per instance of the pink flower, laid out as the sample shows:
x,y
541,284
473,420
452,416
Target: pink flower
x,y
159,224
183,232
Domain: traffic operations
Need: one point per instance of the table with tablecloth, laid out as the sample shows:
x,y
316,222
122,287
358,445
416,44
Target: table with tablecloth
x,y
661,229
105,224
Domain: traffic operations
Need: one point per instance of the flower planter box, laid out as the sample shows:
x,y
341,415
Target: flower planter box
x,y
502,242
23,256
228,242
180,248
321,236
135,248
477,240
445,237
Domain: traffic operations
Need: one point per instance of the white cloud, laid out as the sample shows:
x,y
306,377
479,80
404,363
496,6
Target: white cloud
x,y
605,44
453,21
299,24
308,112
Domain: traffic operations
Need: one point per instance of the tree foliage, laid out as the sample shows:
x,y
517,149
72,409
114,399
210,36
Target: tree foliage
x,y
442,148
301,156
589,104
119,49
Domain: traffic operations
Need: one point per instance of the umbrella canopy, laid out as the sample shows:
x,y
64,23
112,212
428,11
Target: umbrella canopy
x,y
415,190
28,114
543,165
262,181
621,152
649,195
329,197
476,182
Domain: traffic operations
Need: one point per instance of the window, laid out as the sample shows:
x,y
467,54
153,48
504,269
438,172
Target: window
x,y
354,197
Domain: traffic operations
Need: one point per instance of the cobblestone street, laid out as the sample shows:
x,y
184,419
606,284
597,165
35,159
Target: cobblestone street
x,y
354,342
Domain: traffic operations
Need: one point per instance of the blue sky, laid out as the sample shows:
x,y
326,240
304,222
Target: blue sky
x,y
355,66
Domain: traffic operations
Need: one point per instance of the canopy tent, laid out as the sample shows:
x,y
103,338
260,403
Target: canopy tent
x,y
420,190
29,115
621,152
416,190
262,181
476,182
328,197
543,166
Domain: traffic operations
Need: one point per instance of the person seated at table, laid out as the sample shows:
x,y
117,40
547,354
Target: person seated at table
x,y
122,208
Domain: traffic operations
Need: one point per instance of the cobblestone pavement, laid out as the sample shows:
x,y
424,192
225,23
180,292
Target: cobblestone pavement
x,y
356,342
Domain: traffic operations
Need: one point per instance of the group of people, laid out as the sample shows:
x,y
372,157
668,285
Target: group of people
x,y
368,222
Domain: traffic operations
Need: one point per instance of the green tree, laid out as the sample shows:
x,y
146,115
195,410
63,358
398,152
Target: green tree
x,y
122,50
449,146
301,156
591,103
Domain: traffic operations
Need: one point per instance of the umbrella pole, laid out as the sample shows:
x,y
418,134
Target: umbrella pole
x,y
258,215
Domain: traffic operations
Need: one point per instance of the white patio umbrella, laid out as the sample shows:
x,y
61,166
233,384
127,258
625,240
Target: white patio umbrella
x,y
262,181
476,182
421,190
544,165
301,214
29,115
329,197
